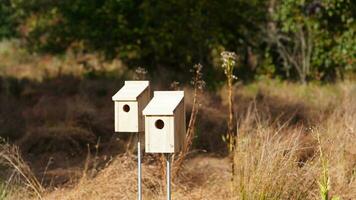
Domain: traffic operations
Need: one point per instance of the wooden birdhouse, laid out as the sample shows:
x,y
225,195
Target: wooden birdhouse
x,y
165,122
129,102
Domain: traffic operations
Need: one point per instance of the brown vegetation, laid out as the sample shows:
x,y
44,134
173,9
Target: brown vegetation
x,y
66,139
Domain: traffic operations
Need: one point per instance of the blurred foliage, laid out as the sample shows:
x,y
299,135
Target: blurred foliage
x,y
7,22
331,28
175,34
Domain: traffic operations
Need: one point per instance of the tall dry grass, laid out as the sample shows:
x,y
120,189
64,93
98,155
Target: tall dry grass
x,y
338,139
267,161
273,160
279,161
277,154
12,161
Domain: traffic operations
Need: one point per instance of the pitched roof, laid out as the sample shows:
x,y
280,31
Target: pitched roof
x,y
163,103
130,91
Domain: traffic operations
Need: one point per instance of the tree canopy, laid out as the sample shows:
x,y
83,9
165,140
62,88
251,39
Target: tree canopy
x,y
295,39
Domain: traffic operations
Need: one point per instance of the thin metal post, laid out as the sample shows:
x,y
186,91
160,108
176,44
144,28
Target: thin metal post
x,y
168,171
139,172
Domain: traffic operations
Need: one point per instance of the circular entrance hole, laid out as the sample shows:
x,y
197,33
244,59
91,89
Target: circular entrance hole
x,y
159,124
126,108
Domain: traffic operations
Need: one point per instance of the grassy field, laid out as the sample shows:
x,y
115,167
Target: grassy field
x,y
294,141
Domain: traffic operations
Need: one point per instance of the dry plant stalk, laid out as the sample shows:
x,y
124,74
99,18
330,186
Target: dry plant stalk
x,y
140,73
324,182
10,156
86,166
178,160
198,84
229,62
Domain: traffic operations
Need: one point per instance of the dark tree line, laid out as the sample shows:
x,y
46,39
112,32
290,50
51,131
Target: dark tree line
x,y
291,39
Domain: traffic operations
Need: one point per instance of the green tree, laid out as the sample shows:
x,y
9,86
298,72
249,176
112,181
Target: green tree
x,y
7,23
314,39
173,33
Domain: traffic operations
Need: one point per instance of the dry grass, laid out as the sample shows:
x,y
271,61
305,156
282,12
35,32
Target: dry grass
x,y
338,139
20,174
273,161
118,181
268,164
279,161
277,155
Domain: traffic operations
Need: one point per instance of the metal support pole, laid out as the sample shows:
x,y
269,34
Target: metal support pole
x,y
139,172
168,171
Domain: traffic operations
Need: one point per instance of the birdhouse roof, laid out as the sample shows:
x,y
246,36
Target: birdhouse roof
x,y
163,103
130,91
